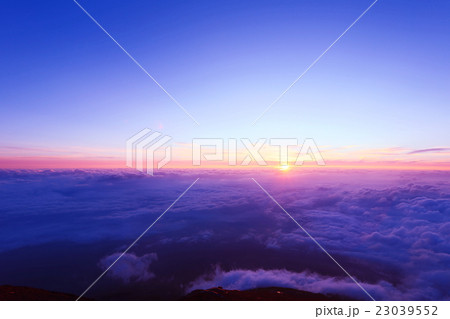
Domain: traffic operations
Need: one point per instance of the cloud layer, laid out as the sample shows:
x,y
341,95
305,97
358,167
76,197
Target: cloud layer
x,y
388,229
241,279
130,267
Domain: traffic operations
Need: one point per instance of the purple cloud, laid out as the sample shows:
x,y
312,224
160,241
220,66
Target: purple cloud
x,y
428,150
389,229
243,279
129,267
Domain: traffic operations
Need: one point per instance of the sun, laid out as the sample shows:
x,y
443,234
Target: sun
x,y
284,167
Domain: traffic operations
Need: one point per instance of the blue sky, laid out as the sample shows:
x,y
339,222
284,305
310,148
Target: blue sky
x,y
384,84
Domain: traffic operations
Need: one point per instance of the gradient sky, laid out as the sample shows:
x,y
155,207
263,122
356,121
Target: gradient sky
x,y
65,85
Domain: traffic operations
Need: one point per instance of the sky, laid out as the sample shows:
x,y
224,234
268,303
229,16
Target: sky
x,y
68,92
378,99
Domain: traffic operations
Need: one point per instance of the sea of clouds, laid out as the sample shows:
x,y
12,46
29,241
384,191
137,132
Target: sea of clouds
x,y
59,229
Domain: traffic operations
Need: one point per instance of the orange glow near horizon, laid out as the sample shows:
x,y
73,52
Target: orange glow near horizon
x,y
351,157
118,163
